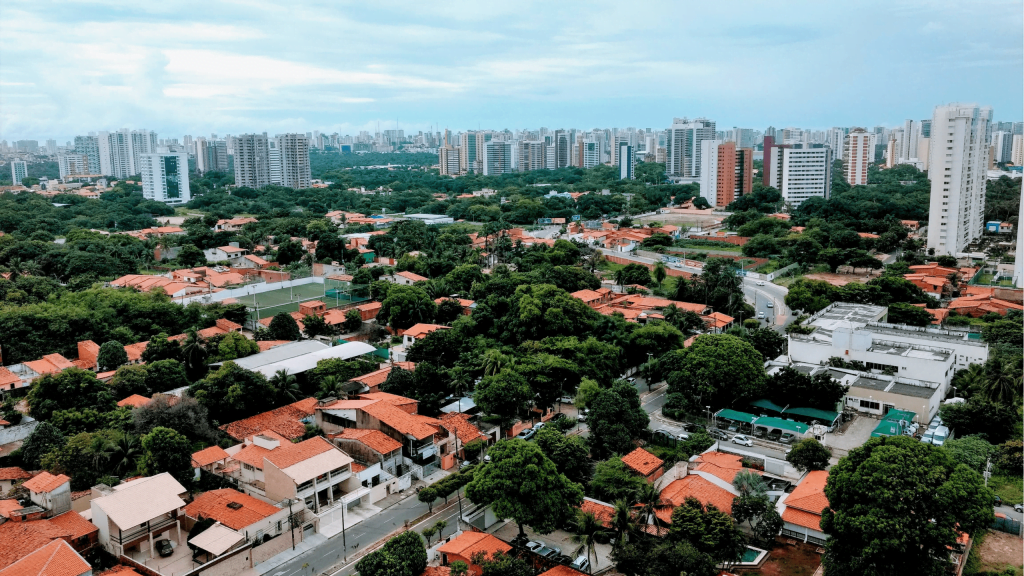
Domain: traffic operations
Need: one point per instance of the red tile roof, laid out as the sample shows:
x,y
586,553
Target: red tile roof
x,y
46,482
469,544
74,524
417,426
298,452
601,510
693,485
14,473
8,506
418,330
120,570
378,377
805,503
373,439
268,344
135,401
285,420
208,456
54,559
412,276
720,464
463,429
562,570
642,461
215,504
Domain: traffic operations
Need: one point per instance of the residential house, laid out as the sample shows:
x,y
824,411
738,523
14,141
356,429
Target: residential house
x,y
404,278
417,331
132,516
57,558
371,382
467,545
706,488
801,509
251,517
379,464
978,305
645,464
11,476
231,254
455,431
210,459
134,401
467,305
50,492
252,261
232,225
289,421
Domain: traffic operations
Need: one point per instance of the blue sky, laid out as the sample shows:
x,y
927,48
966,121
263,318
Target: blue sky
x,y
178,68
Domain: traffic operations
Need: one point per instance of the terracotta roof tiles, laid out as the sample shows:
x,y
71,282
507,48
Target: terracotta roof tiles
x,y
286,421
373,439
135,401
216,504
14,473
469,544
74,524
642,461
693,485
208,456
46,482
57,558
720,464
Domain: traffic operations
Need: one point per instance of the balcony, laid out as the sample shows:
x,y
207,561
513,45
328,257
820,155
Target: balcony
x,y
123,536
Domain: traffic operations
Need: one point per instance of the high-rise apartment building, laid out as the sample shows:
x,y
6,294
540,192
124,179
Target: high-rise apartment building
x,y
294,151
19,171
626,156
117,157
836,138
1002,145
252,160
72,164
497,158
958,160
216,156
89,146
727,172
1017,152
165,177
532,155
767,168
274,154
858,154
590,153
801,173
472,145
142,142
449,159
683,146
562,149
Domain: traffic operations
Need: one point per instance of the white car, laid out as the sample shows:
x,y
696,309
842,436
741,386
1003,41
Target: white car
x,y
534,545
742,440
760,282
760,315
538,425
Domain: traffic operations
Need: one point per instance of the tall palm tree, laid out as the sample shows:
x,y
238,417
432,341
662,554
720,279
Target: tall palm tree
x,y
673,315
749,483
1000,381
623,521
287,386
328,387
659,273
125,453
193,350
972,380
494,361
101,449
649,501
585,532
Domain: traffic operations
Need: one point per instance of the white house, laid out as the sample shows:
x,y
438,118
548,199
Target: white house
x,y
134,515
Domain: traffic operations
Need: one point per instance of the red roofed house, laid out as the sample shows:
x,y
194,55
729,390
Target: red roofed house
x,y
10,476
645,464
418,331
134,401
54,559
801,509
289,421
706,488
239,512
978,305
404,278
372,381
210,459
49,492
468,544
603,511
372,448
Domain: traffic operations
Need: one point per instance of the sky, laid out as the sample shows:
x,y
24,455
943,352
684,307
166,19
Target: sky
x,y
211,66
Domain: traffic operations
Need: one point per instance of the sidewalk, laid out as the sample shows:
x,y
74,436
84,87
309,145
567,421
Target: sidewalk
x,y
301,548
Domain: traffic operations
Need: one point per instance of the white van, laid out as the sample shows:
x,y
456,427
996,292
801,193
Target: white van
x,y
940,436
582,564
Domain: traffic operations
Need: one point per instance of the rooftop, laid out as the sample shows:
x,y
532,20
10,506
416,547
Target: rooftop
x,y
46,482
138,501
208,456
469,544
847,315
805,503
231,508
373,439
886,385
642,461
694,486
286,421
57,558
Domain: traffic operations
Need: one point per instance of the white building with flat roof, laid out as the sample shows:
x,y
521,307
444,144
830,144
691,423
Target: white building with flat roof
x,y
165,177
801,174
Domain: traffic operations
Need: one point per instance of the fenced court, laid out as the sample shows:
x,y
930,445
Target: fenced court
x,y
287,299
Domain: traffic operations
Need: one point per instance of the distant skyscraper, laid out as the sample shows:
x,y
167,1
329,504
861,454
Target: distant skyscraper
x,y
142,142
590,152
958,159
532,155
51,146
727,172
252,160
472,145
165,177
449,159
28,146
72,164
1002,144
683,146
295,171
216,156
858,154
801,174
836,138
497,158
562,149
116,156
19,171
1017,152
626,157
274,155
90,147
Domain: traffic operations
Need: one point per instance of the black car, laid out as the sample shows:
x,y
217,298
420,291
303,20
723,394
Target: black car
x,y
718,434
163,548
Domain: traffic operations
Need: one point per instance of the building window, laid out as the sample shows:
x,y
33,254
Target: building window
x,y
868,404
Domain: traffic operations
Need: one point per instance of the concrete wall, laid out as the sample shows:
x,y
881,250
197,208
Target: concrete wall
x,y
279,485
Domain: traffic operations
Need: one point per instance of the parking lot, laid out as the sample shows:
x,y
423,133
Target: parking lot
x,y
559,539
854,434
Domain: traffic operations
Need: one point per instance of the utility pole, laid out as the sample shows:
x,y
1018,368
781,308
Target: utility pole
x,y
291,522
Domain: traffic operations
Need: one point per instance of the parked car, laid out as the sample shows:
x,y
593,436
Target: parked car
x,y
582,416
718,434
538,426
566,399
664,434
1018,507
683,436
760,315
742,440
582,564
534,545
770,304
691,427
787,438
564,560
760,432
526,434
760,282
997,500
548,551
164,548
558,416
774,435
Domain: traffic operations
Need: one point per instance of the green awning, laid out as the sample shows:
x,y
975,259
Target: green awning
x,y
767,405
895,415
735,415
770,422
816,413
887,428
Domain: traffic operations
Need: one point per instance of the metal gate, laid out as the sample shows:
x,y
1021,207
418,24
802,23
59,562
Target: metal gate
x,y
1007,524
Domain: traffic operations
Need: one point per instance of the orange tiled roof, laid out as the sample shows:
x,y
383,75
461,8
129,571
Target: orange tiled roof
x,y
298,452
285,420
469,544
268,344
419,427
46,482
720,464
120,570
373,439
601,510
642,461
74,524
135,351
135,401
215,504
562,570
393,399
418,330
8,506
809,494
460,425
694,486
7,377
411,276
801,518
208,456
57,558
13,473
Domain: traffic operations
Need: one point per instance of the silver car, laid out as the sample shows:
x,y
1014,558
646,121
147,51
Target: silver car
x,y
742,440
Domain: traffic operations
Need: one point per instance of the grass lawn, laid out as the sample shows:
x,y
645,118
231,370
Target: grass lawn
x,y
984,279
1009,488
708,245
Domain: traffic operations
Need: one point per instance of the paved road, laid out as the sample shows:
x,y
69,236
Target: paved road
x,y
330,556
778,316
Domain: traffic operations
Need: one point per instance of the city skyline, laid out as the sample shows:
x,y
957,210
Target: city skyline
x,y
197,69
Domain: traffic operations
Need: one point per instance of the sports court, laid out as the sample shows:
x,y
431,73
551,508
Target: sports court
x,y
287,299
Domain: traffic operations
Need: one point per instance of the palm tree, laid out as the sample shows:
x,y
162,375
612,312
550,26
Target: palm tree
x,y
585,535
659,272
439,288
125,453
620,277
494,361
649,500
749,483
193,350
328,387
673,315
101,449
1000,377
287,386
623,521
972,380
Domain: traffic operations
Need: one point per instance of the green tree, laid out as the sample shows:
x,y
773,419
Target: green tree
x,y
287,386
125,454
501,564
971,451
659,272
977,416
283,327
353,321
233,346
164,375
45,438
427,495
232,393
892,481
166,450
129,380
718,370
585,530
586,393
613,481
809,454
405,306
194,353
522,484
569,453
654,339
902,313
314,325
402,555
766,341
708,530
73,388
505,394
190,256
633,274
819,391
84,458
111,355
616,420
160,348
